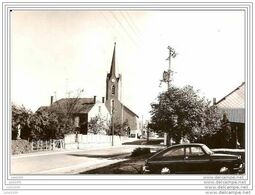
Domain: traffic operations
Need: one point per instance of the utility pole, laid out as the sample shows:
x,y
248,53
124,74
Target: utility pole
x,y
167,74
167,79
112,126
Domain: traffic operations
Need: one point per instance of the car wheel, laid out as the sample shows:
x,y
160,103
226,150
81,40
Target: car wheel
x,y
224,170
165,170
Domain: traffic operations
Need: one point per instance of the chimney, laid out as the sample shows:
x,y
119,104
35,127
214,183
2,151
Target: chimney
x,y
102,99
51,100
214,101
95,98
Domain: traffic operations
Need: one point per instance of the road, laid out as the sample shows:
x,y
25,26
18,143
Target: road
x,y
68,162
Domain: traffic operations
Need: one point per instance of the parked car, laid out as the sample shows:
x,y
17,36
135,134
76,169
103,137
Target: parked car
x,y
191,158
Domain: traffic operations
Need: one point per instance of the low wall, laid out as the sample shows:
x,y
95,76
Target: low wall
x,y
79,141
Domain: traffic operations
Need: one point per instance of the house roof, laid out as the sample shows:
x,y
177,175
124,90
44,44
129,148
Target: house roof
x,y
234,99
233,104
81,105
80,100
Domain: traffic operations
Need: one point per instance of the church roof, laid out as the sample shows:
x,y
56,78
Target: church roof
x,y
233,105
130,111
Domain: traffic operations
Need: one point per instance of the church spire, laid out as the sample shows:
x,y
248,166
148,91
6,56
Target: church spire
x,y
113,68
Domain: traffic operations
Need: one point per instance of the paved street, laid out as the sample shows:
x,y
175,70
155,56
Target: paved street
x,y
68,162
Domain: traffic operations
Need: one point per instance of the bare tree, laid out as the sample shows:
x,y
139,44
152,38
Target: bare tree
x,y
65,109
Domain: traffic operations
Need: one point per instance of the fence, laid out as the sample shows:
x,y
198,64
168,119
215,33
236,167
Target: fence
x,y
47,145
79,141
76,141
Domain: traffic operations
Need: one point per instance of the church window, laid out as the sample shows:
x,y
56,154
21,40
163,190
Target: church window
x,y
113,89
112,106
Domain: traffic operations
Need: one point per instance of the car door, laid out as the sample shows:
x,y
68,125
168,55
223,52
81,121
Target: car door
x,y
196,160
173,159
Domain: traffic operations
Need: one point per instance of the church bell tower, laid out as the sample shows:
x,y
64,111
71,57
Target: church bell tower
x,y
112,85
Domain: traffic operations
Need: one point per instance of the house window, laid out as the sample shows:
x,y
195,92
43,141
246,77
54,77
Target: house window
x,y
113,90
76,121
99,109
112,106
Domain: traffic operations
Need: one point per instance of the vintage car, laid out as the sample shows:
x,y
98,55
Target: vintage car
x,y
191,158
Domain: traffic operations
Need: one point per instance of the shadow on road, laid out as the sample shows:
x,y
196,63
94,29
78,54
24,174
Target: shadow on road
x,y
132,165
145,142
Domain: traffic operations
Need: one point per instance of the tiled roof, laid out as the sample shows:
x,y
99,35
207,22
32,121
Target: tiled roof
x,y
233,105
82,105
80,100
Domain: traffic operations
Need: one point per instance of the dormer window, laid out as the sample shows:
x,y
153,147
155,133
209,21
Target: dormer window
x,y
113,90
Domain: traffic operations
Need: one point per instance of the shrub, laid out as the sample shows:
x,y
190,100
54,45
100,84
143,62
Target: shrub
x,y
140,151
20,146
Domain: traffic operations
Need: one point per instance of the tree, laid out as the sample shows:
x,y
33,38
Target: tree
x,y
20,117
223,138
119,128
181,112
43,126
65,109
98,125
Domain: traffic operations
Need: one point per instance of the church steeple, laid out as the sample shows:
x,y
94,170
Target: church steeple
x,y
112,81
113,68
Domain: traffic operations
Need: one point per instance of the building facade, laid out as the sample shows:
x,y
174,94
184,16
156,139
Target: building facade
x,y
119,112
233,109
83,110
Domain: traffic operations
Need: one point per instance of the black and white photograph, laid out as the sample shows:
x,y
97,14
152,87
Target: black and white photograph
x,y
157,96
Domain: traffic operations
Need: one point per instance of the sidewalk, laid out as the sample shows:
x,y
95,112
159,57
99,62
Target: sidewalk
x,y
61,151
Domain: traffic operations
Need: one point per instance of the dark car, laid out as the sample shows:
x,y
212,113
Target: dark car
x,y
191,158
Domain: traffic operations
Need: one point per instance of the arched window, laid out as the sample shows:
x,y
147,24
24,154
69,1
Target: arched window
x,y
113,89
112,106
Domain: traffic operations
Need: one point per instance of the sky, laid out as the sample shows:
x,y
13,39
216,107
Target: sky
x,y
57,52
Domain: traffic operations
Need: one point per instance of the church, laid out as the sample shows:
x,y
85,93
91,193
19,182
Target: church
x,y
123,120
119,112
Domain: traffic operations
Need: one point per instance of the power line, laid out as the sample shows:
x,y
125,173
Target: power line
x,y
123,27
133,23
130,25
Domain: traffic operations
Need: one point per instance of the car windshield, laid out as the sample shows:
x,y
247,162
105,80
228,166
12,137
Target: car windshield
x,y
207,150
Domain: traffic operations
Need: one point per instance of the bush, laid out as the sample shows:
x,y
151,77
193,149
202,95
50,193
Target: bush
x,y
20,146
140,151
